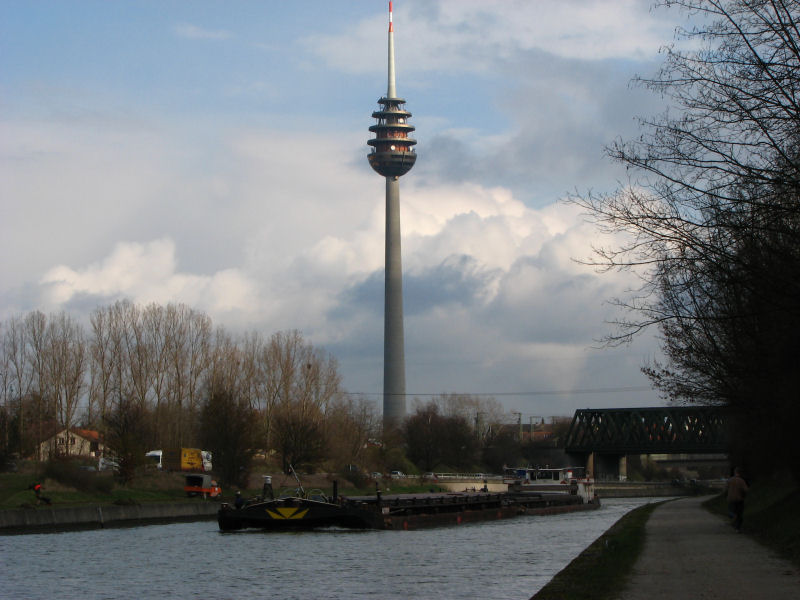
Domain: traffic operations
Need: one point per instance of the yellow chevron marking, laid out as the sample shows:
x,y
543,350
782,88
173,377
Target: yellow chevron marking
x,y
287,513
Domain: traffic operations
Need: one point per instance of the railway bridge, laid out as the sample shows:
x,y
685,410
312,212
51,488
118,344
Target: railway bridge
x,y
603,438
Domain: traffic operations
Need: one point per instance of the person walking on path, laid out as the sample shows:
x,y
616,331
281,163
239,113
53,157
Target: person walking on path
x,y
737,490
691,553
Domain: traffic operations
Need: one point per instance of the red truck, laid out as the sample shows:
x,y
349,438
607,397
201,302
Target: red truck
x,y
202,485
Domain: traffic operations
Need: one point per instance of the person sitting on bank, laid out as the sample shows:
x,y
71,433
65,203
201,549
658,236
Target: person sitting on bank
x,y
737,490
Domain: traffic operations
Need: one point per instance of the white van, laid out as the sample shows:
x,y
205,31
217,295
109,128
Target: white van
x,y
207,466
154,458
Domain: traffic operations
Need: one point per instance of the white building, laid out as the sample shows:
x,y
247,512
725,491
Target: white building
x,y
72,442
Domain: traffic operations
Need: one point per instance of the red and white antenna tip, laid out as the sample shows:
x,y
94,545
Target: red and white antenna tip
x,y
390,16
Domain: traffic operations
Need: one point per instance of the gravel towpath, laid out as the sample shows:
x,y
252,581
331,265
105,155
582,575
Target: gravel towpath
x,y
691,553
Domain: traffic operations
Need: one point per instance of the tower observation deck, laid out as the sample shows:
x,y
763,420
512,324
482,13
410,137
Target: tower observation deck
x,y
392,150
392,155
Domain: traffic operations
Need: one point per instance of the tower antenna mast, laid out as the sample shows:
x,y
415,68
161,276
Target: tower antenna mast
x,y
391,89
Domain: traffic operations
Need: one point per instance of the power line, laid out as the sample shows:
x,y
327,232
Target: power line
x,y
616,390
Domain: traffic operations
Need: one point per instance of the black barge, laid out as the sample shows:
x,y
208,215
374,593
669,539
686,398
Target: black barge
x,y
300,511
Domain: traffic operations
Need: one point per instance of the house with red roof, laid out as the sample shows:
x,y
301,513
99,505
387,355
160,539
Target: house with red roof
x,y
72,442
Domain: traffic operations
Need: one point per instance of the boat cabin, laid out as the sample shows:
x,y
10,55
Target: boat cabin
x,y
544,476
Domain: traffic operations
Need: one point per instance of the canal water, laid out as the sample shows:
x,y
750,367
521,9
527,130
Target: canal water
x,y
509,559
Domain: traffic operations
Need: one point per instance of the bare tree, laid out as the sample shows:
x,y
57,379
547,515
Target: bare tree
x,y
434,439
20,371
300,382
65,367
158,362
350,424
299,438
189,350
711,219
703,173
5,394
137,355
228,430
36,334
127,428
486,413
158,329
101,366
199,358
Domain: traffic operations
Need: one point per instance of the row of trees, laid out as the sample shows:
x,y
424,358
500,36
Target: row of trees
x,y
712,219
468,433
164,377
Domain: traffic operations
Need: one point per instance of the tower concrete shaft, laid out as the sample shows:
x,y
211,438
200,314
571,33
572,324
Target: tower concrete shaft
x,y
392,156
394,362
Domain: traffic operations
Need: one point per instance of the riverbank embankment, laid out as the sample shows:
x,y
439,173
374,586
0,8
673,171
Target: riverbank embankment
x,y
655,489
65,518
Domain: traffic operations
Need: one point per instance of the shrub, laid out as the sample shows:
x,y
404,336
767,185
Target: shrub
x,y
68,472
358,479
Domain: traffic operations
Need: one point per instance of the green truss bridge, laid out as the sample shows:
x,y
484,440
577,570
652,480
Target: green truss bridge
x,y
604,436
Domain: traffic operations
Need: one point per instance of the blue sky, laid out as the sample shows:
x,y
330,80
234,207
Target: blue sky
x,y
215,154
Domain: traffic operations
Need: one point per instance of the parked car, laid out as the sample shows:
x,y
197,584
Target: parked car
x,y
376,475
107,464
398,475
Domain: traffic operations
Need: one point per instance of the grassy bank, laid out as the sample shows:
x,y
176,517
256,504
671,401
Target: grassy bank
x,y
600,571
771,515
74,487
93,488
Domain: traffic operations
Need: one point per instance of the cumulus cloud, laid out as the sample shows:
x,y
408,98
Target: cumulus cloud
x,y
491,290
148,272
473,35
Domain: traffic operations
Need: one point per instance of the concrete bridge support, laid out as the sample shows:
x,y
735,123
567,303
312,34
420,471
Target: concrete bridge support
x,y
603,467
607,467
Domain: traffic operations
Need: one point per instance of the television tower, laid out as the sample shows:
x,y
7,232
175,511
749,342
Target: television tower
x,y
392,155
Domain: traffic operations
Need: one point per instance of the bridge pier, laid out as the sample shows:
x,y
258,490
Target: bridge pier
x,y
607,466
604,467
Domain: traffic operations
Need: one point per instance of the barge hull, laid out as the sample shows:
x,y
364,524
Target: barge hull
x,y
399,512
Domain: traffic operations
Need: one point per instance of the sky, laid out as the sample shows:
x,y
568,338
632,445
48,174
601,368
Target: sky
x,y
214,154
